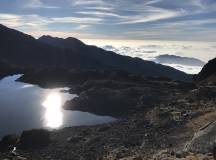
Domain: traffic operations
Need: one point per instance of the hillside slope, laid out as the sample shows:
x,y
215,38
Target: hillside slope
x,y
208,73
21,49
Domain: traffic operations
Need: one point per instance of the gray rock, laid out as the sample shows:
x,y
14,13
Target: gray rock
x,y
180,154
74,139
203,141
21,158
8,142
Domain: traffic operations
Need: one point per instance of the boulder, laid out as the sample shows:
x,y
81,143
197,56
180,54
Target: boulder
x,y
8,142
36,138
161,119
204,141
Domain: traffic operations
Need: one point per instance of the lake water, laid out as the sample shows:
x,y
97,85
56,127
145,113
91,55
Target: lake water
x,y
25,106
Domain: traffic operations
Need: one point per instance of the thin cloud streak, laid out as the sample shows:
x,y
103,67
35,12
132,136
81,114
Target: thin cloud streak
x,y
154,16
100,14
89,2
78,20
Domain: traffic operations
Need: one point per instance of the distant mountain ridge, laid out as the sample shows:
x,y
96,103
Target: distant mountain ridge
x,y
18,48
173,59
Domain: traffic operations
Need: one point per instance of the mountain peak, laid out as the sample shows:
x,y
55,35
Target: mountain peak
x,y
208,71
67,43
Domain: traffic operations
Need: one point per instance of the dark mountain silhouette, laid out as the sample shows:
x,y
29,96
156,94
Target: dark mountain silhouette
x,y
20,49
209,70
68,43
173,59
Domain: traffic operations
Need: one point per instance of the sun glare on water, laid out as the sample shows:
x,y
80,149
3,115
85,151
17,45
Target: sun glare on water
x,y
53,114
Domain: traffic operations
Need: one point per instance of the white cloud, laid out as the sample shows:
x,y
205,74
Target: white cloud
x,y
34,4
153,2
155,15
126,13
89,2
154,49
99,8
78,20
82,27
185,68
32,22
191,23
100,14
23,21
10,20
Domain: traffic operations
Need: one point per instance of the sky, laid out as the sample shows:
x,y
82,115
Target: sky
x,y
175,20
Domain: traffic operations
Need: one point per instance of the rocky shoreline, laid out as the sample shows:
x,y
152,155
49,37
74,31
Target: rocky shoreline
x,y
114,93
157,118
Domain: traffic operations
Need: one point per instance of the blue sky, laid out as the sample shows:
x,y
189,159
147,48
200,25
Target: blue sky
x,y
193,20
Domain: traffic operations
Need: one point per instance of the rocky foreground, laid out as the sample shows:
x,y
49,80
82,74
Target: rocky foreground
x,y
158,118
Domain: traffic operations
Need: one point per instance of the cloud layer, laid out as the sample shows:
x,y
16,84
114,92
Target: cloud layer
x,y
150,50
118,19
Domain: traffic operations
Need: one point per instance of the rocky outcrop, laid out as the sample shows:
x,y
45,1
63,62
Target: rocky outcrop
x,y
118,95
208,73
106,101
166,155
203,141
161,119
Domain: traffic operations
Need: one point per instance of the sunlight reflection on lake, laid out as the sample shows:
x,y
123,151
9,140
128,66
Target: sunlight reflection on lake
x,y
53,113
